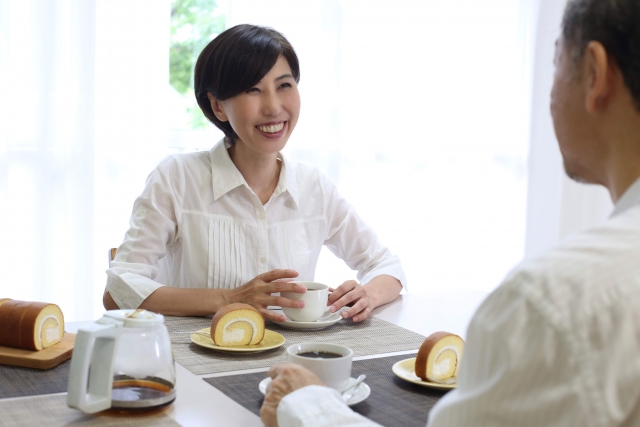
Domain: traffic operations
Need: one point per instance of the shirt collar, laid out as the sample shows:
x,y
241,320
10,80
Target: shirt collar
x,y
225,176
287,181
629,199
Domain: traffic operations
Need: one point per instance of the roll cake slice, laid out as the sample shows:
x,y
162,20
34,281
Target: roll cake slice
x,y
237,324
438,359
30,325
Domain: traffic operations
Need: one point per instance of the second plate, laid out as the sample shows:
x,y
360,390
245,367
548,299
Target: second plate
x,y
406,370
271,340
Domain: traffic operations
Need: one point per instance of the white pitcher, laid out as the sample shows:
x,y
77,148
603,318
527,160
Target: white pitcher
x,y
122,361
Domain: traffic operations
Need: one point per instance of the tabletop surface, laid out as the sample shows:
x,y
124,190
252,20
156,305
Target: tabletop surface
x,y
200,404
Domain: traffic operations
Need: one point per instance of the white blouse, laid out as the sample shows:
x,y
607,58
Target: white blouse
x,y
197,224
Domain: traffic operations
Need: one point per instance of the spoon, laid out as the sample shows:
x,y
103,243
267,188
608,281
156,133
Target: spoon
x,y
348,393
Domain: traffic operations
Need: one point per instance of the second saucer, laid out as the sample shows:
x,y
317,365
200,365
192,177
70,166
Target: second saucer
x,y
327,319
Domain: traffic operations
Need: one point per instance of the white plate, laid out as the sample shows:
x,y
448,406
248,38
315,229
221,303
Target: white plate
x,y
327,319
362,392
405,369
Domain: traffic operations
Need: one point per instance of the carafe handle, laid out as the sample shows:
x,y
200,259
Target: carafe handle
x,y
91,372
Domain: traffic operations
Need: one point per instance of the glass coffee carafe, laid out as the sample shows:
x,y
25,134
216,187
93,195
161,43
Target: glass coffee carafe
x,y
124,362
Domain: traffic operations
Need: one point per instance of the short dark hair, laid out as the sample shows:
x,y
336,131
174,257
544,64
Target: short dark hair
x,y
615,24
236,60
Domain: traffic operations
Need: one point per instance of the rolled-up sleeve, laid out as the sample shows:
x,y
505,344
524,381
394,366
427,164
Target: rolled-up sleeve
x,y
352,240
133,274
316,406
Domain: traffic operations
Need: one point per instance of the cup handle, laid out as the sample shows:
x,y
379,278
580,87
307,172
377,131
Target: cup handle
x,y
91,372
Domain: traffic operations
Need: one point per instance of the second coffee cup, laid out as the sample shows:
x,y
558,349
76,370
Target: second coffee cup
x,y
315,302
330,362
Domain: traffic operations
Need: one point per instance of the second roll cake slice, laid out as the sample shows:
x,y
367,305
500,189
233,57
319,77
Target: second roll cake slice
x,y
438,359
237,324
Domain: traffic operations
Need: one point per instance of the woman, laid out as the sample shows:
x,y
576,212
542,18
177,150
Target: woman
x,y
237,223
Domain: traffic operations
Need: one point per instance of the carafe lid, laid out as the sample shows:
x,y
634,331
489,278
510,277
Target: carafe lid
x,y
136,318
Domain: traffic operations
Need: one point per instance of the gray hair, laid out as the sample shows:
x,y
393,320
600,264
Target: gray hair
x,y
613,23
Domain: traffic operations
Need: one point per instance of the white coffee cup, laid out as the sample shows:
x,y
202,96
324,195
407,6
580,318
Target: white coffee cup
x,y
335,372
315,302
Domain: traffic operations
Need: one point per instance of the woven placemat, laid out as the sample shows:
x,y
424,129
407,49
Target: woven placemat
x,y
393,402
52,410
373,336
17,382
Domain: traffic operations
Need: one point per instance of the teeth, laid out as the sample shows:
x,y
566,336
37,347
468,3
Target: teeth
x,y
272,128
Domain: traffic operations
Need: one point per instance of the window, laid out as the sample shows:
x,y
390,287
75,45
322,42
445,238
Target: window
x,y
194,23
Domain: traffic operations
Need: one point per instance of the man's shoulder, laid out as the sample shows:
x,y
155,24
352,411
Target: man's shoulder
x,y
585,273
610,250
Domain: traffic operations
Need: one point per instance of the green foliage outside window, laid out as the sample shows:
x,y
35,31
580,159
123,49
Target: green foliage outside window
x,y
193,24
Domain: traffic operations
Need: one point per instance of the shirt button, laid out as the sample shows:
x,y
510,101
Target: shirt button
x,y
260,217
263,260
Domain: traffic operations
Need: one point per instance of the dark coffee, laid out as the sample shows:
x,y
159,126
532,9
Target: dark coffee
x,y
141,395
320,355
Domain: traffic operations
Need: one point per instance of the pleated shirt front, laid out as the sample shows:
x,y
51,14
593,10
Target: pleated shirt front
x,y
197,224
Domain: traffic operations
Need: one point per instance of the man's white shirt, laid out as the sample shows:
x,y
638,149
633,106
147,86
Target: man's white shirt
x,y
197,224
557,344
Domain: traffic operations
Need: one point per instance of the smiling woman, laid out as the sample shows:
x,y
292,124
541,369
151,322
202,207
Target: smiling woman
x,y
237,223
261,118
253,52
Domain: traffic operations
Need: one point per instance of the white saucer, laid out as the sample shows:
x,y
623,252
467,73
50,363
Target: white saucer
x,y
362,392
327,319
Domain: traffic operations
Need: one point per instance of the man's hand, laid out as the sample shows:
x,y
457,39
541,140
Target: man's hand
x,y
350,292
257,293
285,379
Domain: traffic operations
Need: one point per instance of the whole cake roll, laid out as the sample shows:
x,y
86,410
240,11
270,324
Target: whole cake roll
x,y
438,359
237,324
30,325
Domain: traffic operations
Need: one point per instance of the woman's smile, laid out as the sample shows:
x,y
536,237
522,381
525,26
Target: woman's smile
x,y
273,130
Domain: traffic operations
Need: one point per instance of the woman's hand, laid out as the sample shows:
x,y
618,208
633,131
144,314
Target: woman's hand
x,y
257,293
350,292
380,290
285,379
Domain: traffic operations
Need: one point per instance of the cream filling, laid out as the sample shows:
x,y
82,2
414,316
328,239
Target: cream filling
x,y
442,368
49,331
271,128
52,334
238,334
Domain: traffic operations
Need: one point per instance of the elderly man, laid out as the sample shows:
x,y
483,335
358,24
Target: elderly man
x,y
558,343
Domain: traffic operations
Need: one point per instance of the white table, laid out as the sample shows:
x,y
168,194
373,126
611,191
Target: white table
x,y
200,404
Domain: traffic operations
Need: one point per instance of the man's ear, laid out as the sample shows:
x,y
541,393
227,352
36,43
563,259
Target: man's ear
x,y
599,77
217,108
